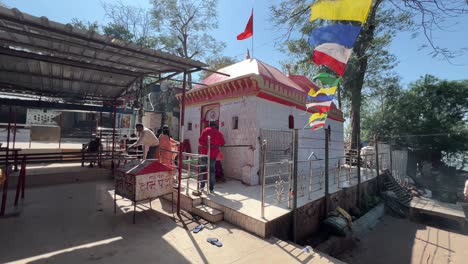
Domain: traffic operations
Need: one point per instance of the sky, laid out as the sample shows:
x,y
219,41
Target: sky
x,y
233,16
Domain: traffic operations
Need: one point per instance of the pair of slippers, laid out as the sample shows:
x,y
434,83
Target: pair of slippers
x,y
213,241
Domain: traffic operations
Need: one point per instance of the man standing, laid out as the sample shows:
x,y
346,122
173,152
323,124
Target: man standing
x,y
216,140
149,141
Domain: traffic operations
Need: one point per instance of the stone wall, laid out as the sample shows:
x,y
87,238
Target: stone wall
x,y
312,214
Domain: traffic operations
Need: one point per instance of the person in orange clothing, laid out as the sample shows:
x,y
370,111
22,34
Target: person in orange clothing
x,y
167,147
216,140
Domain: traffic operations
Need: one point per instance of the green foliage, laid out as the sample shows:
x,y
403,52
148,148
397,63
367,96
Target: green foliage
x,y
217,63
85,26
118,31
429,107
185,26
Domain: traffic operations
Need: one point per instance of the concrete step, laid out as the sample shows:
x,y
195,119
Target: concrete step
x,y
208,213
187,203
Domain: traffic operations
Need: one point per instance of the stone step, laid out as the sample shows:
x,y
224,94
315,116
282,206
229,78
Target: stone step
x,y
208,213
186,202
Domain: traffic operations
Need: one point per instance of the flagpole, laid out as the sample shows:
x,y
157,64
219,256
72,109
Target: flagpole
x,y
253,36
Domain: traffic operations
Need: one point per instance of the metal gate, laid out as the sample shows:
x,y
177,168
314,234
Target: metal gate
x,y
276,163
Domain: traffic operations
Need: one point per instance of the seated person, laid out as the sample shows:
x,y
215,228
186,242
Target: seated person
x,y
92,150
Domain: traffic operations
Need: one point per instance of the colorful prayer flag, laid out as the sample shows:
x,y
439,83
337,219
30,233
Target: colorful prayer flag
x,y
325,91
317,125
320,107
326,79
341,34
317,116
248,31
354,10
321,98
333,56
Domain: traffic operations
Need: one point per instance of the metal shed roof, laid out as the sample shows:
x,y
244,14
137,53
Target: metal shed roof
x,y
42,57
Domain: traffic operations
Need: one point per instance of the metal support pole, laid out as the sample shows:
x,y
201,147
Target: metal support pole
x,y
100,145
391,157
113,137
310,179
181,139
295,164
14,130
358,167
264,150
377,163
208,169
188,176
14,140
5,184
60,126
327,191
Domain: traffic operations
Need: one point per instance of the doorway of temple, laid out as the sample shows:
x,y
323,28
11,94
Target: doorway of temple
x,y
209,113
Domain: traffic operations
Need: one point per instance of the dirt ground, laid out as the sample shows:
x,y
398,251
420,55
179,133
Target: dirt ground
x,y
395,240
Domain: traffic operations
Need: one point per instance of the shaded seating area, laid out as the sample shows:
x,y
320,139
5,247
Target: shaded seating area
x,y
49,65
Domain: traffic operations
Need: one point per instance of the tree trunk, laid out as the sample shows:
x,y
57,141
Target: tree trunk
x,y
357,72
355,86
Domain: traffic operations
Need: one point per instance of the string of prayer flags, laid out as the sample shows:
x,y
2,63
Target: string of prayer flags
x,y
344,35
332,55
326,79
351,10
325,91
320,107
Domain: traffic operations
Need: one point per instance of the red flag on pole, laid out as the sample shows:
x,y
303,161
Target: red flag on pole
x,y
248,32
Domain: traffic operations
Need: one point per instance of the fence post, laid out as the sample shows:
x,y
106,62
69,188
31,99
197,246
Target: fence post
x,y
295,163
264,150
358,166
391,156
377,162
327,194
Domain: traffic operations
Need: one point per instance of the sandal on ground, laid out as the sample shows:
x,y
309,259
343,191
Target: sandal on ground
x,y
198,228
214,241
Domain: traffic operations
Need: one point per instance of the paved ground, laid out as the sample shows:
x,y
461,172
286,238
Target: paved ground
x,y
75,223
396,240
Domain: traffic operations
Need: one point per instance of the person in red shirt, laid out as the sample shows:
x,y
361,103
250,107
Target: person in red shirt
x,y
216,140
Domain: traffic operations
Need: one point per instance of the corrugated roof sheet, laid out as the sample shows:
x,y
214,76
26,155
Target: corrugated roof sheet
x,y
39,56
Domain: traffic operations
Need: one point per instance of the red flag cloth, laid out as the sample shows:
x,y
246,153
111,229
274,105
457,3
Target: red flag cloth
x,y
321,58
248,32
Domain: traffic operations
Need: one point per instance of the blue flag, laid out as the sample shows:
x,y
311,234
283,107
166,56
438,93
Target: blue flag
x,y
321,98
341,34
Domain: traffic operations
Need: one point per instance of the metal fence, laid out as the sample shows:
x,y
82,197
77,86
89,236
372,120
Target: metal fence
x,y
298,166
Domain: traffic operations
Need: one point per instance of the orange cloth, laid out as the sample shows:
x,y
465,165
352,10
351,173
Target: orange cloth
x,y
166,145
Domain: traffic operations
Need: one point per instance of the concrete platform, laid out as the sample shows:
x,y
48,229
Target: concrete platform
x,y
432,207
75,223
241,204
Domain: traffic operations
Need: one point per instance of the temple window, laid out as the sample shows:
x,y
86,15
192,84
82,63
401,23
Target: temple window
x,y
235,122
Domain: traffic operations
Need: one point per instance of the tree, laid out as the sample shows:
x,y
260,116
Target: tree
x,y
370,61
435,109
217,63
118,31
132,24
85,26
185,25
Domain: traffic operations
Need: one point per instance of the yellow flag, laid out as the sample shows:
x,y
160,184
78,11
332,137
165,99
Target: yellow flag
x,y
326,91
316,116
354,10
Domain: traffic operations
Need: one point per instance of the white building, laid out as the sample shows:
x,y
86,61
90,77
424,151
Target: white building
x,y
254,98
